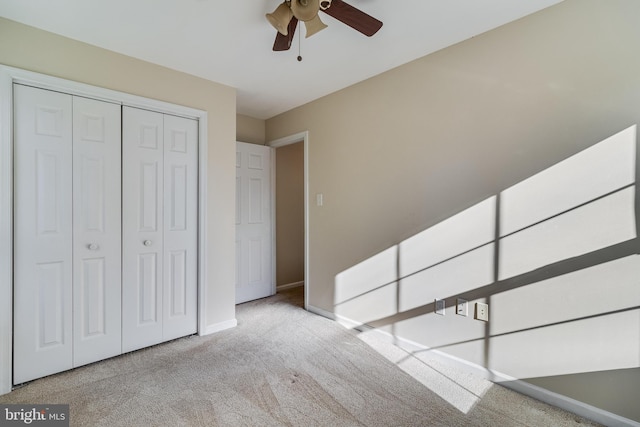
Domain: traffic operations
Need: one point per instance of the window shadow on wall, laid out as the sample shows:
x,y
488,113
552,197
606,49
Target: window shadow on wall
x,y
555,257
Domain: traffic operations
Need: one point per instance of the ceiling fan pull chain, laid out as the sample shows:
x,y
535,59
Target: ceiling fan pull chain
x,y
299,46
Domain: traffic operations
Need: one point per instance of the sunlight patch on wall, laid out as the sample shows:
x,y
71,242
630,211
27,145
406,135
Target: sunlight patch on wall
x,y
456,335
579,322
462,232
577,206
463,273
594,172
601,343
599,289
594,226
566,298
368,289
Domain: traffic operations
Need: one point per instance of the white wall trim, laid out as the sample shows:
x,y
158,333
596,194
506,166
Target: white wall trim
x,y
44,81
274,254
281,142
203,149
6,232
290,286
217,327
579,408
10,75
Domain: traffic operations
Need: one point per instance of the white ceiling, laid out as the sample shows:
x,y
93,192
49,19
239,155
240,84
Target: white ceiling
x,y
230,41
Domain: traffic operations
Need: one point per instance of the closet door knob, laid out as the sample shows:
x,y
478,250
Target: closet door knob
x,y
147,243
93,246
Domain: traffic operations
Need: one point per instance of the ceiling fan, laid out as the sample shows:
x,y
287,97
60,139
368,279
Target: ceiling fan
x,y
286,16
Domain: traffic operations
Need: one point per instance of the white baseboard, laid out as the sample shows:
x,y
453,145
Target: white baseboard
x,y
289,286
579,408
217,327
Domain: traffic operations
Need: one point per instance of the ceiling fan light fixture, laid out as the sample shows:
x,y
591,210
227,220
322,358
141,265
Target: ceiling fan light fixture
x,y
308,11
313,26
305,11
280,18
325,4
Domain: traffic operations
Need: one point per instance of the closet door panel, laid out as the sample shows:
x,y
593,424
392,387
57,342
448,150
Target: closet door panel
x,y
143,216
97,230
42,233
180,226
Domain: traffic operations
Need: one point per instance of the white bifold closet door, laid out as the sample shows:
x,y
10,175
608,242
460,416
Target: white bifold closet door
x,y
67,293
159,228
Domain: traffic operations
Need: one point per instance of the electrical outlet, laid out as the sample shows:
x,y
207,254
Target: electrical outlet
x,y
440,306
462,307
482,311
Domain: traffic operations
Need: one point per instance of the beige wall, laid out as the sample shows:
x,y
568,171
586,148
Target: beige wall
x,y
35,50
404,151
290,214
250,130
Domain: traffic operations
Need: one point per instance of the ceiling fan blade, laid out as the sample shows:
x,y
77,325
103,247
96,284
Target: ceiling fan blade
x,y
284,42
355,18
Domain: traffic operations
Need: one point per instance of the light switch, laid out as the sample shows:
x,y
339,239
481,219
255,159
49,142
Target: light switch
x,y
319,199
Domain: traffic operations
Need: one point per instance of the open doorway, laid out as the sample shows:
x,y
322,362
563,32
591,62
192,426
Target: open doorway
x,y
291,220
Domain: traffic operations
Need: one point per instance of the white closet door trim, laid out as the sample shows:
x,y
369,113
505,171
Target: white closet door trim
x,y
6,235
10,75
44,81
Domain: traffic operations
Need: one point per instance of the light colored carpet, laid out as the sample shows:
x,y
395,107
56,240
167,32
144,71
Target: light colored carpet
x,y
281,366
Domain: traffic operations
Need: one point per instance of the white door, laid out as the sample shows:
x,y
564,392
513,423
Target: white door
x,y
96,231
254,240
42,233
159,228
180,227
67,232
88,284
142,213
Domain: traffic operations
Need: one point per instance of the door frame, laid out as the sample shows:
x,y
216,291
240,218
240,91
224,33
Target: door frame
x,y
11,75
281,142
